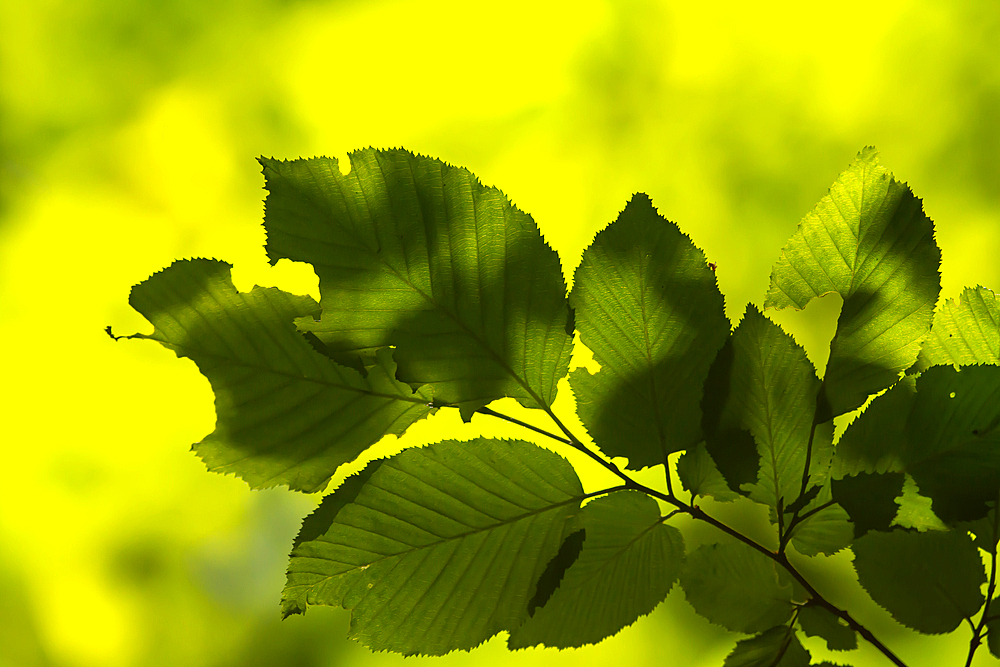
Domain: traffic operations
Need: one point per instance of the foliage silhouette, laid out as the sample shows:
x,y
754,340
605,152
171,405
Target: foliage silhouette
x,y
437,293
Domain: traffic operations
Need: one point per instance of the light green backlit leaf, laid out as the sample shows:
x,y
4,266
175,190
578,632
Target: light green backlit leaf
x,y
649,309
285,413
629,562
418,254
736,587
777,647
869,241
928,581
964,333
914,510
442,546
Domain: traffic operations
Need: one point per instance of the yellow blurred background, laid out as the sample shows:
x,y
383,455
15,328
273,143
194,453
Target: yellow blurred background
x,y
128,132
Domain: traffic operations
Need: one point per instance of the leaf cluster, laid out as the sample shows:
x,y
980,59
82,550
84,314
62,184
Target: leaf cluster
x,y
437,293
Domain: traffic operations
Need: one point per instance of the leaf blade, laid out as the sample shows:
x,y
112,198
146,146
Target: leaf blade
x,y
285,413
868,240
965,332
776,647
817,621
942,428
759,408
415,253
701,477
953,440
629,562
929,582
650,310
442,547
736,587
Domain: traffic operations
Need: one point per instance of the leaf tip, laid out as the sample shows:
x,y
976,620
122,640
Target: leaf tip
x,y
291,607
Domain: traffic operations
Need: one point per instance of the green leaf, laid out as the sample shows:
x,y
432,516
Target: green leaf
x,y
928,581
650,310
817,621
285,413
953,440
777,647
826,531
319,521
867,470
442,547
943,428
874,441
737,587
762,384
869,241
869,499
629,562
418,254
964,333
700,476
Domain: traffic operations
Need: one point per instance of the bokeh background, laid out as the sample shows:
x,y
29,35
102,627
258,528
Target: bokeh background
x,y
128,132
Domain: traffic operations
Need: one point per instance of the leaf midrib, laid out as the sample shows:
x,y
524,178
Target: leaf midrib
x,y
301,378
417,548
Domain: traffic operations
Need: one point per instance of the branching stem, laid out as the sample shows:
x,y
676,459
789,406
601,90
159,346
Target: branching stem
x,y
695,512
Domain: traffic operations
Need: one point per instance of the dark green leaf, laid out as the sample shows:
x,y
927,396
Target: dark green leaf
x,y
736,587
700,476
873,442
630,561
777,647
443,546
869,499
985,531
554,572
928,581
817,621
943,428
285,413
417,254
953,440
964,333
825,531
759,406
649,309
869,241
